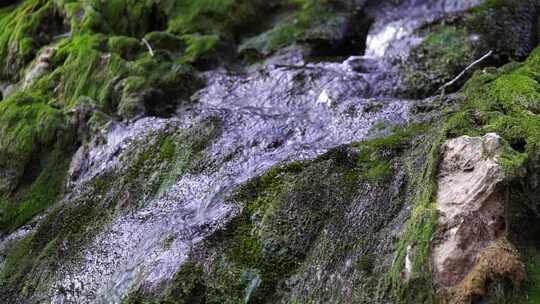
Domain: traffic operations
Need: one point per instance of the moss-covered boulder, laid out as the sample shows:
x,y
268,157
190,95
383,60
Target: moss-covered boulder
x,y
329,28
516,21
452,45
322,229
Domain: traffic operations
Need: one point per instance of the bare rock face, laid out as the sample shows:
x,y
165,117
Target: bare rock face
x,y
470,205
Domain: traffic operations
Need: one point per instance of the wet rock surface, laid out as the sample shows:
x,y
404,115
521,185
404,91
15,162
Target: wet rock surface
x,y
270,116
305,177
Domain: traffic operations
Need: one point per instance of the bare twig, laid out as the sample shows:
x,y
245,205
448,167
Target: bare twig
x,y
149,47
472,65
290,66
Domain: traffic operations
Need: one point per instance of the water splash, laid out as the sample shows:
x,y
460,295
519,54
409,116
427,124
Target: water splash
x,y
394,32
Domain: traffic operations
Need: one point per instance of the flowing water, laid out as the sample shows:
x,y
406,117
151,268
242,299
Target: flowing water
x,y
272,115
282,111
392,34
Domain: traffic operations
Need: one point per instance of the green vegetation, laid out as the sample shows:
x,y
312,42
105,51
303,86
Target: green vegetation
x,y
443,54
104,67
533,272
27,125
32,156
111,76
375,155
27,27
189,287
505,101
199,46
302,19
36,197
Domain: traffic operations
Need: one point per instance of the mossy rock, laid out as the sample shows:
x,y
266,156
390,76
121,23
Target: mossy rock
x,y
329,28
442,55
450,46
125,17
164,41
289,222
132,101
149,165
516,20
127,47
28,127
28,27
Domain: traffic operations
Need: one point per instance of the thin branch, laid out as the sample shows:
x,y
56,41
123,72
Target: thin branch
x,y
472,65
290,66
149,47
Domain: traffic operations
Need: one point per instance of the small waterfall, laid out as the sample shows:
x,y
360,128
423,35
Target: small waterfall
x,y
282,111
270,116
393,34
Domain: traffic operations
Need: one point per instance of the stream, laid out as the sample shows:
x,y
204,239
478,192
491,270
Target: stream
x,y
282,111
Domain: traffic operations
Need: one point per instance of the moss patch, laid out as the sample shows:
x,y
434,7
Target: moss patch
x,y
438,59
307,20
27,27
504,102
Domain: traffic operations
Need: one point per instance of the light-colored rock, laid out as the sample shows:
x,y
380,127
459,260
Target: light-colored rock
x,y
39,68
470,204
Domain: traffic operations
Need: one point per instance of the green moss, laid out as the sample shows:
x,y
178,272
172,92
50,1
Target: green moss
x,y
199,47
167,149
209,17
124,17
506,103
420,227
132,103
378,172
302,19
27,27
250,246
85,71
164,41
442,55
26,124
31,136
125,47
17,262
42,193
375,155
189,287
533,278
278,37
